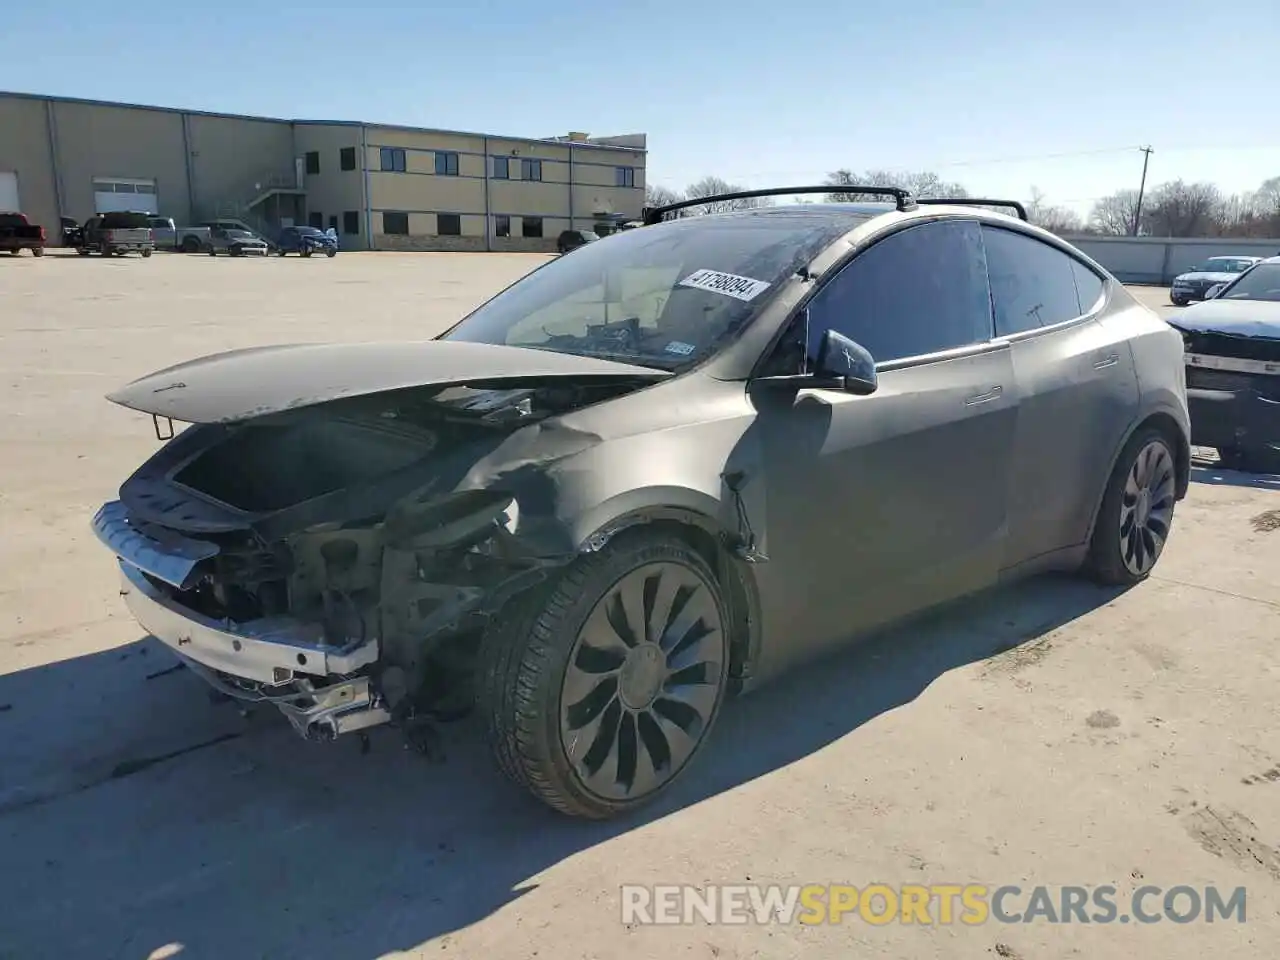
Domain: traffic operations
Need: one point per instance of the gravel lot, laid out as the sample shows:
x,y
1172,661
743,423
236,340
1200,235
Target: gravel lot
x,y
1050,734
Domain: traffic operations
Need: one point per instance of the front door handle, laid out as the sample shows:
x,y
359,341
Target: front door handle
x,y
991,394
1110,360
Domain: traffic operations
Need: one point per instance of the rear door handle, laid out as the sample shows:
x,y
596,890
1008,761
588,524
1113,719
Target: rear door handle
x,y
1110,360
984,397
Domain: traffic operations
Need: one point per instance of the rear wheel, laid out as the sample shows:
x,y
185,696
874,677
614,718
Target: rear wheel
x,y
190,245
146,253
37,251
599,689
1136,515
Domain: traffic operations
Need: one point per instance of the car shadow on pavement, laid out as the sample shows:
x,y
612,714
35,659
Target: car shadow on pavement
x,y
135,814
1213,475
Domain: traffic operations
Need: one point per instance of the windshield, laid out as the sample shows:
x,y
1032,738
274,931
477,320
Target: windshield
x,y
1260,283
666,296
1225,265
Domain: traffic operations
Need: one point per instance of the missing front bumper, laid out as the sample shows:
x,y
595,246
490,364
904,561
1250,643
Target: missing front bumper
x,y
266,661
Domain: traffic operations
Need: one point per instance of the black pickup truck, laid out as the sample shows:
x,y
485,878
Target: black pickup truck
x,y
18,234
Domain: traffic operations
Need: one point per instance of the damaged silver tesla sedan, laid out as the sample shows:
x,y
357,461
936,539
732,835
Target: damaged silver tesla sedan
x,y
650,475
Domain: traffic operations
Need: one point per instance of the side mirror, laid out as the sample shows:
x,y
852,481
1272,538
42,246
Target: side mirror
x,y
848,362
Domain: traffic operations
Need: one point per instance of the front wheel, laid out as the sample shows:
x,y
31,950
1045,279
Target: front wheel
x,y
599,689
146,253
330,252
37,251
1136,515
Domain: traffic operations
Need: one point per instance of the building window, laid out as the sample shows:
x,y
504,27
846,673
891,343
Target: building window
x,y
448,224
347,158
446,164
392,159
397,223
531,226
316,219
625,176
351,222
502,226
531,170
502,168
313,161
333,222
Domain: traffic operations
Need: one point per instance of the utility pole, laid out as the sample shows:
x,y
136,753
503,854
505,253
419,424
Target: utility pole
x,y
1142,187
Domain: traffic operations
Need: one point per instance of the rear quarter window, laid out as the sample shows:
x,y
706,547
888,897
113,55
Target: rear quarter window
x,y
1033,284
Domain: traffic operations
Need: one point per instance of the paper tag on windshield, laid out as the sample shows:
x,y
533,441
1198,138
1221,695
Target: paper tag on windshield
x,y
731,285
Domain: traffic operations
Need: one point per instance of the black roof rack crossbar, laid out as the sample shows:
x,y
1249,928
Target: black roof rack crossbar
x,y
978,202
902,198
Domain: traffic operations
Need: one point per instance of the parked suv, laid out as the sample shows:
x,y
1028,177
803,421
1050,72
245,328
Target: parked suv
x,y
652,475
1198,281
305,241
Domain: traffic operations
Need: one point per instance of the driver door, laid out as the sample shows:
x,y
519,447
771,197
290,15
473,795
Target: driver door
x,y
883,504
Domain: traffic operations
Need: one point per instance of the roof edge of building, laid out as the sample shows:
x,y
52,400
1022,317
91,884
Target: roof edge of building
x,y
88,101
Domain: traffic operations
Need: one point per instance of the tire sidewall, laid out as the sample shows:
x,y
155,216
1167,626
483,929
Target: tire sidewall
x,y
1107,548
626,557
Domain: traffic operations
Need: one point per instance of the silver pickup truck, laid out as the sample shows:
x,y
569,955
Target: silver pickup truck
x,y
199,237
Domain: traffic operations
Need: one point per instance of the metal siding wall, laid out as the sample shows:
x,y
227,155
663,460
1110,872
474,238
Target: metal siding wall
x,y
25,150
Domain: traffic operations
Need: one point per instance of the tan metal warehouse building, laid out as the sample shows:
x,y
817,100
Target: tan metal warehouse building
x,y
382,187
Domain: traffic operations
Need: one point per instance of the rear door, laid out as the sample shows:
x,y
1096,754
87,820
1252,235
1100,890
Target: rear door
x,y
1077,385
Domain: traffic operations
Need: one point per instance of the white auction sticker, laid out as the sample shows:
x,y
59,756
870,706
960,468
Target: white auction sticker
x,y
731,285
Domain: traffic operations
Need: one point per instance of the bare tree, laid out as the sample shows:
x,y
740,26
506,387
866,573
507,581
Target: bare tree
x,y
921,184
659,196
1113,215
714,186
1180,209
1053,218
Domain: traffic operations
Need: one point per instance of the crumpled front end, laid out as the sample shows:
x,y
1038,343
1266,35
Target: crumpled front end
x,y
333,562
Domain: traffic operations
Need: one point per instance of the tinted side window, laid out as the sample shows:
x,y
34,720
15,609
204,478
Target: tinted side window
x,y
915,292
1088,286
1032,284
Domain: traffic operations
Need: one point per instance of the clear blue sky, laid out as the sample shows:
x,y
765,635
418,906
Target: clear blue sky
x,y
1000,95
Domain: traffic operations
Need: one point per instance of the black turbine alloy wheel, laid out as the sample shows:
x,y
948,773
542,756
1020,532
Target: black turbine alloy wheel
x,y
643,681
598,689
1146,509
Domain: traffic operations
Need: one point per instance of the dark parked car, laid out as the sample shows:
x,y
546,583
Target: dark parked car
x,y
1233,369
17,233
573,239
236,243
1196,282
651,475
306,241
72,232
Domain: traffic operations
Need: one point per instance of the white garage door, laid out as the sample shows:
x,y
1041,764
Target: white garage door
x,y
9,199
112,194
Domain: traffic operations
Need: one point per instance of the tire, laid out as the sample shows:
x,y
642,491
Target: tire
x,y
104,250
82,251
538,681
37,251
190,245
1136,515
213,252
330,252
305,252
146,253
1178,301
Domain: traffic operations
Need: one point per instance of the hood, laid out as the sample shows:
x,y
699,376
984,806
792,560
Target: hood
x,y
1241,318
1207,277
242,384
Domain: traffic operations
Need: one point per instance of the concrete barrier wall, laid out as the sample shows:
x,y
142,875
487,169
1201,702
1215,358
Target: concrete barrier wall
x,y
1160,259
